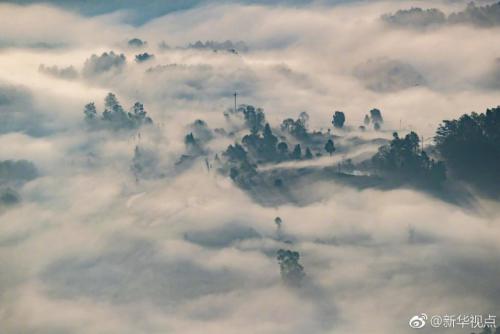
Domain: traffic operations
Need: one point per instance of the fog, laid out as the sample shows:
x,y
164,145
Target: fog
x,y
92,248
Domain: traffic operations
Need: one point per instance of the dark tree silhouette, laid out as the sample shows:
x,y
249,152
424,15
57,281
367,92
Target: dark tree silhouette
x,y
297,128
376,116
283,148
403,160
139,114
330,147
470,146
90,112
269,142
338,119
278,222
291,270
297,152
115,117
142,57
254,118
235,153
308,155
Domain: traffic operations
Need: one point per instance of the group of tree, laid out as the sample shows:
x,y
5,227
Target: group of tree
x,y
267,147
142,57
114,116
193,145
375,118
17,171
241,170
403,160
297,128
292,272
68,73
418,18
106,62
470,146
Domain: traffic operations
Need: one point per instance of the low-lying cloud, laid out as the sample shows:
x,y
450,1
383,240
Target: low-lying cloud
x,y
134,229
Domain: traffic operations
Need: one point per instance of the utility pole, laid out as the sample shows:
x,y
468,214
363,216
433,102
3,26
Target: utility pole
x,y
235,94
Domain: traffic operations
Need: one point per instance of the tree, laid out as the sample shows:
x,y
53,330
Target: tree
x,y
308,154
330,147
269,143
142,57
291,270
90,111
278,222
304,119
235,153
283,148
297,128
254,118
114,115
139,115
193,145
111,103
376,116
367,120
189,139
338,119
376,126
113,111
297,152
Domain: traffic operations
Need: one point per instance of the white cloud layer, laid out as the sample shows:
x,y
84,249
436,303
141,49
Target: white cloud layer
x,y
90,250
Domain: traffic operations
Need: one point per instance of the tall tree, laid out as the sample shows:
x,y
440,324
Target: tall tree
x,y
90,111
330,147
308,155
297,152
269,142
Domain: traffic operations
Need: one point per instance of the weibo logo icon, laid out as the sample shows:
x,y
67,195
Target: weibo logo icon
x,y
418,321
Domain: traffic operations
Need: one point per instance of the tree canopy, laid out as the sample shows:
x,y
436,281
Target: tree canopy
x,y
403,160
291,270
338,119
471,147
114,116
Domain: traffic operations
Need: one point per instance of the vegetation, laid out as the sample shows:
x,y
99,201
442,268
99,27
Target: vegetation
x,y
17,171
291,270
338,119
403,160
471,147
114,116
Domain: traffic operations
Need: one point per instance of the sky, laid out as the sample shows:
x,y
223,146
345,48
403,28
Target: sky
x,y
90,250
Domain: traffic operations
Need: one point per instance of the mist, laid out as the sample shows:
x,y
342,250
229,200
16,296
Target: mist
x,y
126,225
